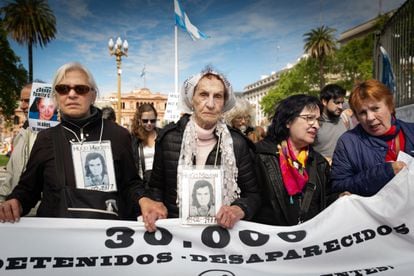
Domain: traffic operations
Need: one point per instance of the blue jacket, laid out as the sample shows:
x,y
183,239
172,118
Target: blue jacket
x,y
359,165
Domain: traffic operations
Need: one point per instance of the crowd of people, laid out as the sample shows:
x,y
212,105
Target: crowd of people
x,y
314,151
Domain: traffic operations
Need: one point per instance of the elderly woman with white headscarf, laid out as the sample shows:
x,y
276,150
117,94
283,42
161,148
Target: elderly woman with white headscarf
x,y
200,139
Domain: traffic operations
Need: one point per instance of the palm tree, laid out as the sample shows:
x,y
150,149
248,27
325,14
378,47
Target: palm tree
x,y
320,43
29,22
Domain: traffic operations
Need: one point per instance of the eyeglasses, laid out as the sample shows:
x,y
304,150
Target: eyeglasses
x,y
146,121
80,89
310,119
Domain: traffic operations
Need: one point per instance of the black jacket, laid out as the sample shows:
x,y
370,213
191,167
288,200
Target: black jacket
x,y
163,182
136,148
40,180
277,206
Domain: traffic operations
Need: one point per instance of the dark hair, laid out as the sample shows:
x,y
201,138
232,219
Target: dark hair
x,y
108,113
137,128
332,91
201,184
286,112
93,156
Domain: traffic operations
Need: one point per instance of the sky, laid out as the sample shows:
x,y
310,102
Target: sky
x,y
248,38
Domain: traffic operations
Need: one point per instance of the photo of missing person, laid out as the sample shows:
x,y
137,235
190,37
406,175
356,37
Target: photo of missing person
x,y
95,170
202,200
43,109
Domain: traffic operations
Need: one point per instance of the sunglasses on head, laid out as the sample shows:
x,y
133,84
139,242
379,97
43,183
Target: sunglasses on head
x,y
146,121
63,89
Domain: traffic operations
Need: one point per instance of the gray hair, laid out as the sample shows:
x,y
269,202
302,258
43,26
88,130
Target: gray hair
x,y
73,66
241,108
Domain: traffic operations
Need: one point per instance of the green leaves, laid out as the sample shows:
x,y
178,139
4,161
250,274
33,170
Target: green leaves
x,y
12,76
303,78
29,22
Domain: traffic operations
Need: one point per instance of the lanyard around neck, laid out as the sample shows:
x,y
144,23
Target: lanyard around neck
x,y
82,138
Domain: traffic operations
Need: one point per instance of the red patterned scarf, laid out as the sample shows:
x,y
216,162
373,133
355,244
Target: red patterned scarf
x,y
395,140
293,168
394,145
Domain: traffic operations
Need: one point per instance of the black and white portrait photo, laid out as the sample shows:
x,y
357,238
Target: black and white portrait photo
x,y
202,197
94,166
96,173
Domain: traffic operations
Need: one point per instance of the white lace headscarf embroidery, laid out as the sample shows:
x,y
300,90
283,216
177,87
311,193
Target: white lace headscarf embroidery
x,y
230,189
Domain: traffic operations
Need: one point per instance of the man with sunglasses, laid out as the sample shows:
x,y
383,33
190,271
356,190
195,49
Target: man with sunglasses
x,y
22,146
54,170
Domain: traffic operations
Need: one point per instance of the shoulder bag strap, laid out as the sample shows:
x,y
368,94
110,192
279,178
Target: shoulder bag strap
x,y
309,190
141,157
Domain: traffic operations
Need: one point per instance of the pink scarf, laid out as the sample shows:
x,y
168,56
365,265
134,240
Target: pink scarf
x,y
293,168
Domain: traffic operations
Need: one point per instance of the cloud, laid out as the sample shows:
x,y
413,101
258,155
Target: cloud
x,y
75,9
248,38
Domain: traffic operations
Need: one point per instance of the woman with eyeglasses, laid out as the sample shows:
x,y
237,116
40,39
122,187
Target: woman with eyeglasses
x,y
144,132
294,178
54,170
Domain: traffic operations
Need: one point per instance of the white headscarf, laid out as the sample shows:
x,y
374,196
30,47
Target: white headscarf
x,y
187,91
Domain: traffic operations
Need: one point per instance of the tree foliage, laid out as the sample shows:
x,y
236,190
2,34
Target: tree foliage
x,y
12,76
303,78
320,43
353,61
29,22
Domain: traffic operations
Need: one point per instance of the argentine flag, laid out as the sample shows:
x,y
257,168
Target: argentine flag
x,y
388,76
182,20
143,72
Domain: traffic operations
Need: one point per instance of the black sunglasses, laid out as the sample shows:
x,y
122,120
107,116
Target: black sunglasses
x,y
145,121
63,89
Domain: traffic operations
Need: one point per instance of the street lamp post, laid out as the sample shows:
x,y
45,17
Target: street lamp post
x,y
118,49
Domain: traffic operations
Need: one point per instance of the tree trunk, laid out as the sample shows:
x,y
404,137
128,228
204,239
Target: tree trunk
x,y
30,57
321,74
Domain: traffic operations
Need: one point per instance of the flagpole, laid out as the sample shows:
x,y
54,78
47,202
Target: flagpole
x,y
176,59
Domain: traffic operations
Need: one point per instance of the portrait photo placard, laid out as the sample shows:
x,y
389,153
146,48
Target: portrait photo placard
x,y
94,166
201,196
42,107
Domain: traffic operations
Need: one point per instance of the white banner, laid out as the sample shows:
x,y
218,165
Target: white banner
x,y
172,112
354,236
